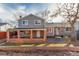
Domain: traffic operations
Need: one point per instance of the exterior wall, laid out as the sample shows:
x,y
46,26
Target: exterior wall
x,y
77,33
55,31
67,32
76,26
50,31
77,30
60,31
31,22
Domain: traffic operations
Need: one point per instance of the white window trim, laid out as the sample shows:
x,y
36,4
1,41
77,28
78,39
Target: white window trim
x,y
25,23
37,24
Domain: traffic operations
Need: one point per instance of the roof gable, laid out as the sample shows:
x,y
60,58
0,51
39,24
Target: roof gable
x,y
31,16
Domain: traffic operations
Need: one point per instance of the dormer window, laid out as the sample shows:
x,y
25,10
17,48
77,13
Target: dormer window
x,y
24,22
37,22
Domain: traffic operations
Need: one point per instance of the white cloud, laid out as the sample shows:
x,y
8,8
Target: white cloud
x,y
52,7
33,11
2,10
21,10
6,14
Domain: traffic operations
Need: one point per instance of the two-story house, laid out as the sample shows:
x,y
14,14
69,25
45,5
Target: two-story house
x,y
30,29
34,29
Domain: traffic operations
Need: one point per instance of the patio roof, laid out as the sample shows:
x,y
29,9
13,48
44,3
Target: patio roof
x,y
25,29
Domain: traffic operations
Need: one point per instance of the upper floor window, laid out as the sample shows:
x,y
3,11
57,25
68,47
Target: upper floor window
x,y
37,22
24,22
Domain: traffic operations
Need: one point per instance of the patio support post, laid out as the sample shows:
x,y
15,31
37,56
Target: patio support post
x,y
18,32
8,36
44,34
53,31
31,36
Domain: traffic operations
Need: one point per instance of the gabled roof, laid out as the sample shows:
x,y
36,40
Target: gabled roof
x,y
29,16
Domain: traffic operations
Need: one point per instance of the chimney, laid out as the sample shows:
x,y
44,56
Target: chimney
x,y
20,16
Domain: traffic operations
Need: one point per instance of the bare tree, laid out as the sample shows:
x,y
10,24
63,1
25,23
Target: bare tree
x,y
44,14
70,11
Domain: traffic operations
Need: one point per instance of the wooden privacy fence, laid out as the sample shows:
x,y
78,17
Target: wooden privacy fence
x,y
3,35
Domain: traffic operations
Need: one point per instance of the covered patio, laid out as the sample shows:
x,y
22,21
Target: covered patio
x,y
26,35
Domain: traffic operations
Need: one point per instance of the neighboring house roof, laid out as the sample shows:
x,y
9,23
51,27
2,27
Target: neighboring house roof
x,y
1,24
5,26
57,25
29,16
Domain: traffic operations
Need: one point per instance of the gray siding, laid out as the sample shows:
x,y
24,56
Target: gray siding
x,y
31,24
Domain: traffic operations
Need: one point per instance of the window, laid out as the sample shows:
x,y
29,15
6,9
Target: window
x,y
49,30
37,22
67,29
24,22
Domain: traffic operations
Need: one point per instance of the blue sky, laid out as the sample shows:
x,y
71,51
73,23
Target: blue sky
x,y
10,11
29,6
